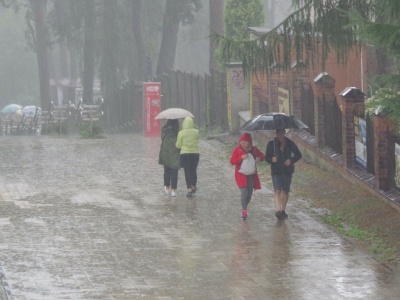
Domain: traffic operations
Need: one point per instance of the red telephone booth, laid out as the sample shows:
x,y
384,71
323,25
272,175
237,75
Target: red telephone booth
x,y
152,107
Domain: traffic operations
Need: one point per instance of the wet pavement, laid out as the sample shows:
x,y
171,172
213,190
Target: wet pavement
x,y
88,219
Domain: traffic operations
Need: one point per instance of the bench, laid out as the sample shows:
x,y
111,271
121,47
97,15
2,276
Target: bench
x,y
69,113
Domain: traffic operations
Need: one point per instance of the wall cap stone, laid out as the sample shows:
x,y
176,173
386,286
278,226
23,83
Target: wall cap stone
x,y
352,92
298,64
324,77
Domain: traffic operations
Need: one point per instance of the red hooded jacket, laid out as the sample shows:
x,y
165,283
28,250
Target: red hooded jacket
x,y
236,160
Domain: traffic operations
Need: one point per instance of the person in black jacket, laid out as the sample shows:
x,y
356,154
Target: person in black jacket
x,y
281,153
169,156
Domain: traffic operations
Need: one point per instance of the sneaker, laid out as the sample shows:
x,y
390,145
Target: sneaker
x,y
173,194
278,215
284,215
194,189
244,214
166,190
189,195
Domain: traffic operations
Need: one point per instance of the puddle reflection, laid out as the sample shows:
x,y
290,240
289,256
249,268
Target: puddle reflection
x,y
246,258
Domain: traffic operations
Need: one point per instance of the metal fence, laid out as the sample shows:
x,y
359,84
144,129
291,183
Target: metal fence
x,y
307,108
333,126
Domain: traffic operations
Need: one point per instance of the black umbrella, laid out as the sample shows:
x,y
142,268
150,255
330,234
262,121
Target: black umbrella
x,y
272,121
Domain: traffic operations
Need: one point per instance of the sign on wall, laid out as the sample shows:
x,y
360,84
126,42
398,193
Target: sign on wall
x,y
238,94
360,130
152,107
283,99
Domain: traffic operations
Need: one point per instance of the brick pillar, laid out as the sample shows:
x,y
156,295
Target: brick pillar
x,y
382,128
325,91
299,78
352,102
276,78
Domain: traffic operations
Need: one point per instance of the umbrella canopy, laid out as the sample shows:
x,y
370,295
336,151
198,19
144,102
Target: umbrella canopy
x,y
174,113
10,108
272,121
16,116
30,111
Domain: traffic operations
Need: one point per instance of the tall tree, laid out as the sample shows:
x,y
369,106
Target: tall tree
x,y
313,20
41,43
18,67
216,8
176,12
239,15
88,51
166,56
110,71
140,46
60,12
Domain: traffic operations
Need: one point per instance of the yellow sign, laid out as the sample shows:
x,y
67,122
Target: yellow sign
x,y
283,99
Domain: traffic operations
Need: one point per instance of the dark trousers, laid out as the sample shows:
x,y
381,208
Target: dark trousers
x,y
247,192
189,162
171,177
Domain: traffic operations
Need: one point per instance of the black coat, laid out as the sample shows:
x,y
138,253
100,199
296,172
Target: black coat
x,y
291,152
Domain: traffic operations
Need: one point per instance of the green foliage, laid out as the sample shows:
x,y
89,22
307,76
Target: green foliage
x,y
186,10
346,226
386,102
56,128
296,35
241,14
238,16
95,132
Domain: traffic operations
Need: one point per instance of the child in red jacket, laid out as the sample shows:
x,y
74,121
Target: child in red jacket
x,y
246,183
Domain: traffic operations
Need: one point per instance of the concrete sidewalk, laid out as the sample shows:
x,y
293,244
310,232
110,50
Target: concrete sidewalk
x,y
88,219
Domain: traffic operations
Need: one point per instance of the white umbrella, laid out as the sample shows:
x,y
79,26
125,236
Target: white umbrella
x,y
31,111
174,113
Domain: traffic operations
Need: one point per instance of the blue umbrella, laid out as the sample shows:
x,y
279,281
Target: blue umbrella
x,y
10,108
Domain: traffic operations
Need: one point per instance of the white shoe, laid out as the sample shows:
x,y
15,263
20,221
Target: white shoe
x,y
173,194
166,190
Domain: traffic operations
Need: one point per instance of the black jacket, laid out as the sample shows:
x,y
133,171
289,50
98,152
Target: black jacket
x,y
291,152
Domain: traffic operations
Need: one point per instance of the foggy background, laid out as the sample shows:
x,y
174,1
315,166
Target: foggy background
x,y
18,63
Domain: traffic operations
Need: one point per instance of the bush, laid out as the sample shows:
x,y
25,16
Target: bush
x,y
96,132
55,128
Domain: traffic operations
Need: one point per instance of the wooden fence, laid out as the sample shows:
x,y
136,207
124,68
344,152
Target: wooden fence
x,y
203,95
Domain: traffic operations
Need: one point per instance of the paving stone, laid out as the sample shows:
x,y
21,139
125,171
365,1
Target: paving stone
x,y
88,219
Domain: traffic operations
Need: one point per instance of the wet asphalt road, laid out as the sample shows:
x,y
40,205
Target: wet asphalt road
x,y
88,219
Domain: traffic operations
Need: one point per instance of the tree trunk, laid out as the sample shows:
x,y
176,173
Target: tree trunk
x,y
61,12
217,26
39,16
88,52
169,38
63,54
140,46
109,68
73,62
